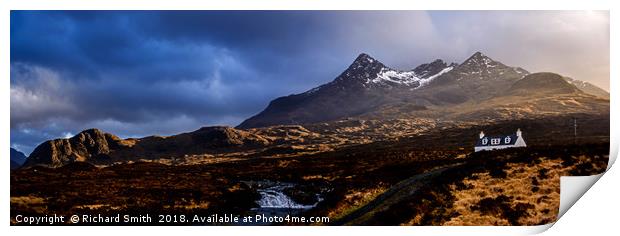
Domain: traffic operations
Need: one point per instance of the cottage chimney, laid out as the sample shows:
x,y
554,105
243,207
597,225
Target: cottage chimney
x,y
518,132
481,134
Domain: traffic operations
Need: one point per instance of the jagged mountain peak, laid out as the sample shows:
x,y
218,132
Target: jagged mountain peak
x,y
429,69
479,77
479,59
371,73
366,63
364,57
478,54
362,68
479,66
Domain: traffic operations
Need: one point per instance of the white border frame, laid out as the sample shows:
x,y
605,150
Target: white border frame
x,y
571,226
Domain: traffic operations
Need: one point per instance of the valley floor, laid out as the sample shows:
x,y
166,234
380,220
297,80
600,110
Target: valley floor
x,y
411,181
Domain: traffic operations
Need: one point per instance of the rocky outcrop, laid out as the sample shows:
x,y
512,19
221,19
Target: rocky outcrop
x,y
91,145
97,147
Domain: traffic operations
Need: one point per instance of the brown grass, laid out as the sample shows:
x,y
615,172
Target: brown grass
x,y
523,185
355,199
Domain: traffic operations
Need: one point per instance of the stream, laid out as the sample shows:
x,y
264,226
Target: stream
x,y
274,197
274,202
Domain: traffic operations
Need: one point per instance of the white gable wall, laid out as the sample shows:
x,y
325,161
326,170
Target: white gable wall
x,y
520,142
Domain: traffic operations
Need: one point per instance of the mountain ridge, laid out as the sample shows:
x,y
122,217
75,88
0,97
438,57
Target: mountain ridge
x,y
98,147
367,102
365,84
588,87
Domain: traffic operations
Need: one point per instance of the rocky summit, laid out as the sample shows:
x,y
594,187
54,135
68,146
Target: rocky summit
x,y
91,145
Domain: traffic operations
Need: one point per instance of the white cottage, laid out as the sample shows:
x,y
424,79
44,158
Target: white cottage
x,y
499,142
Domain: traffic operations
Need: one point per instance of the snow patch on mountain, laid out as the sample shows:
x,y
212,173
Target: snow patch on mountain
x,y
578,83
371,73
393,76
430,78
407,78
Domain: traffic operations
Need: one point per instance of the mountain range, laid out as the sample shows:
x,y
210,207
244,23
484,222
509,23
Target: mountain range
x,y
367,102
367,87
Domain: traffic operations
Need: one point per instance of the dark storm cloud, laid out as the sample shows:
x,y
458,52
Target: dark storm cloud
x,y
122,70
136,73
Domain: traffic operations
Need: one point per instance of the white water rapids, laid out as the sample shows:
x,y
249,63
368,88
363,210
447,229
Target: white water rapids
x,y
273,197
274,202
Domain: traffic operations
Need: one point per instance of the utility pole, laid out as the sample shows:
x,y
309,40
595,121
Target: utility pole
x,y
575,129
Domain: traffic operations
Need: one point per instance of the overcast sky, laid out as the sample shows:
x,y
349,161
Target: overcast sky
x,y
139,73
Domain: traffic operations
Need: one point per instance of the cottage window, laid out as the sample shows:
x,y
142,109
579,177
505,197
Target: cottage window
x,y
495,141
485,141
507,140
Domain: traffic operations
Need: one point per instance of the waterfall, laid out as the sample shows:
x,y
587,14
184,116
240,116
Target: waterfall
x,y
274,198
